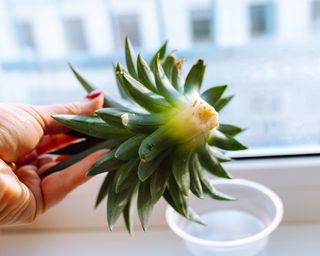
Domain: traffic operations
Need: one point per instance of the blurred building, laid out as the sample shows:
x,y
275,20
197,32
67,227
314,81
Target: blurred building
x,y
268,52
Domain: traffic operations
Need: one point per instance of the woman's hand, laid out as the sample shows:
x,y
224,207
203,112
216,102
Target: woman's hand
x,y
26,133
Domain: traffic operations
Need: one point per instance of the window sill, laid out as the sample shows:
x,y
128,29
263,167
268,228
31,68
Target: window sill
x,y
295,180
157,241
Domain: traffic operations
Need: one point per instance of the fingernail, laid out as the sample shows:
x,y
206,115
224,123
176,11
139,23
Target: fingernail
x,y
94,94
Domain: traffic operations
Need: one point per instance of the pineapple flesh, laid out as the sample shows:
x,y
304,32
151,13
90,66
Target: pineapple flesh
x,y
163,136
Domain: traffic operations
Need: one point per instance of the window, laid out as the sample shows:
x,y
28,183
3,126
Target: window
x,y
201,25
128,25
75,35
25,35
315,11
258,20
276,82
315,14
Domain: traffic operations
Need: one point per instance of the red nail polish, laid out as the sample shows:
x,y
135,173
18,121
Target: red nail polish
x,y
94,94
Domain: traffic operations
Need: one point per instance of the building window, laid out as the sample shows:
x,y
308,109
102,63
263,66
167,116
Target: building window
x,y
259,20
128,25
25,33
75,35
315,14
201,28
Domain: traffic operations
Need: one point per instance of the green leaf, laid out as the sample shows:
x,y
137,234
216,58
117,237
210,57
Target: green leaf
x,y
104,188
188,213
145,75
178,198
121,86
223,141
146,169
85,84
75,158
193,216
195,77
143,96
158,181
210,191
177,207
219,154
126,175
145,204
178,79
222,103
168,66
195,168
180,168
106,163
213,95
211,164
130,59
142,123
154,144
112,116
128,213
109,101
120,89
93,126
160,54
77,147
229,129
130,147
165,87
116,204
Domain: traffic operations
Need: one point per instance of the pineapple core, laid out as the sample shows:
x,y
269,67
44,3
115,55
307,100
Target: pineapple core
x,y
195,119
203,116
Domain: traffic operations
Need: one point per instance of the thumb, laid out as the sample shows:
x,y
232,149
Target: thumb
x,y
89,105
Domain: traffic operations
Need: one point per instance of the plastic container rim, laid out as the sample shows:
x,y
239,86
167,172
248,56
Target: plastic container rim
x,y
233,243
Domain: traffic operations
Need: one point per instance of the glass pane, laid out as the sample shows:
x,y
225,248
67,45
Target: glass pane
x,y
201,25
26,35
128,25
258,20
75,35
315,8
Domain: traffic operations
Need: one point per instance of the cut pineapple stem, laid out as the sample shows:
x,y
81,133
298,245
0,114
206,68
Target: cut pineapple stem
x,y
203,115
194,119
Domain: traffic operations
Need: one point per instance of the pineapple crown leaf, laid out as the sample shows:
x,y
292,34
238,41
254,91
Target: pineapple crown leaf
x,y
163,136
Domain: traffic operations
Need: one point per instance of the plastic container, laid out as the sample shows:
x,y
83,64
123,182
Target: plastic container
x,y
240,227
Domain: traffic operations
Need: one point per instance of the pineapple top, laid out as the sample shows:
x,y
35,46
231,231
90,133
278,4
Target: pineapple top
x,y
164,137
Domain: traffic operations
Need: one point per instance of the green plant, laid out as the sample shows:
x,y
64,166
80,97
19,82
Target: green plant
x,y
164,137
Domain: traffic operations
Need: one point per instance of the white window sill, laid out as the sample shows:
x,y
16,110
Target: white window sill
x,y
295,180
289,239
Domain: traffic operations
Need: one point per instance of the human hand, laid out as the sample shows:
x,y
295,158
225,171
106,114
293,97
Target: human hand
x,y
26,133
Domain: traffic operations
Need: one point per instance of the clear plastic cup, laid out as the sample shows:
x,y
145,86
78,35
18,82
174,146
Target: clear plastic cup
x,y
240,227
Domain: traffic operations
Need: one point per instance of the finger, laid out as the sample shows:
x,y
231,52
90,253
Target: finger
x,y
28,175
54,141
45,167
57,185
47,144
93,101
45,159
17,202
